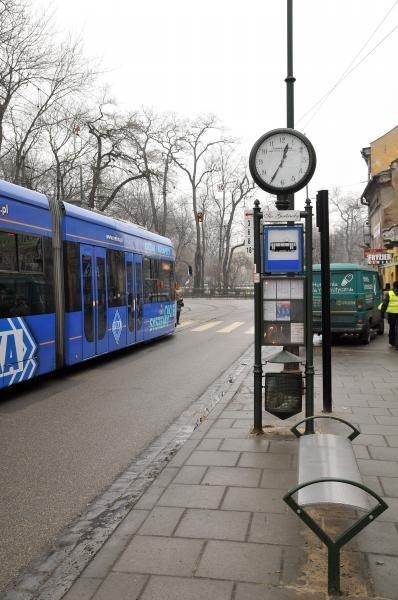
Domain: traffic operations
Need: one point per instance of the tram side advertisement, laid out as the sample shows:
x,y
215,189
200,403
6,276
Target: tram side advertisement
x,y
27,322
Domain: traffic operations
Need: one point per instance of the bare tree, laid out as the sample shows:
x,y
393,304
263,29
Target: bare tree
x,y
141,133
351,217
181,230
168,138
115,162
195,145
231,186
68,152
132,204
24,54
66,76
240,267
181,226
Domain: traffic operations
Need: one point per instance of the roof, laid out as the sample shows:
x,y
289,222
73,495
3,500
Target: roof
x,y
16,192
384,134
344,267
90,216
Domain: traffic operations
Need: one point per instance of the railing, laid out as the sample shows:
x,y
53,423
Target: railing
x,y
208,292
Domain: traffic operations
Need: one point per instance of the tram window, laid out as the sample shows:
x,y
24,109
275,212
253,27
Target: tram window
x,y
150,280
138,275
73,301
116,278
30,253
8,251
159,280
88,297
130,296
164,280
101,291
24,295
48,275
172,283
24,291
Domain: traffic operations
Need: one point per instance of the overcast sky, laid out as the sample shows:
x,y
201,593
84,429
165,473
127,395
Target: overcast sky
x,y
228,57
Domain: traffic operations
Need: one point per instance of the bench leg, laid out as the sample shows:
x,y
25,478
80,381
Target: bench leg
x,y
334,570
334,545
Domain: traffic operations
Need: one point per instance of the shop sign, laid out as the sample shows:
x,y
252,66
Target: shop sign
x,y
377,256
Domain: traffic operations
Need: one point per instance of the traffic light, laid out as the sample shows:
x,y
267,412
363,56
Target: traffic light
x,y
200,217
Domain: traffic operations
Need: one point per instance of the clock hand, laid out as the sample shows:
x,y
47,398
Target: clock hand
x,y
286,148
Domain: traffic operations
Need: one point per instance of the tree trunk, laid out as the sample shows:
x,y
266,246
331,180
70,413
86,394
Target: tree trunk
x,y
198,277
96,173
164,194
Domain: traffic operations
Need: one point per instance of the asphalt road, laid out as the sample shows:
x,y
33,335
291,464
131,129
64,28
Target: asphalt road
x,y
65,438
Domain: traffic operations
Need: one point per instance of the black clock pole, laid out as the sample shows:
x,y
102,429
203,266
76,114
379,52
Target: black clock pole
x,y
290,79
258,312
309,348
322,211
287,202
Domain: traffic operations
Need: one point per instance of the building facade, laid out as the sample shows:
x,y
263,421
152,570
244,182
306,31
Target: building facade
x,y
381,197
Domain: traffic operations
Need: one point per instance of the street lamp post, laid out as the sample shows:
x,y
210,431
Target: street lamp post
x,y
290,79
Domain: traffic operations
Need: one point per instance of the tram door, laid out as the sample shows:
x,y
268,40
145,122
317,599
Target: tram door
x,y
94,304
134,287
139,297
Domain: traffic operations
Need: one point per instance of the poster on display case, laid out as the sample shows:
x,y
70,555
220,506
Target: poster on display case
x,y
283,311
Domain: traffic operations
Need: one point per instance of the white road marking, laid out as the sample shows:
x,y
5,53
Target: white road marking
x,y
231,327
185,324
207,326
250,331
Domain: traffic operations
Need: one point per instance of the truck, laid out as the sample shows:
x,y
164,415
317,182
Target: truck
x,y
355,294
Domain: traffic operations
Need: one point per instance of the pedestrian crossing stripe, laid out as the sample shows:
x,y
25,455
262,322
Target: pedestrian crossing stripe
x,y
231,327
211,324
185,324
227,329
207,326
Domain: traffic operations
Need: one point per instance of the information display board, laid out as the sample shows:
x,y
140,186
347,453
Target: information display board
x,y
283,311
283,249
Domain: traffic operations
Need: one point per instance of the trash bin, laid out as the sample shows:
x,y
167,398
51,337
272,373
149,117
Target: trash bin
x,y
283,394
284,390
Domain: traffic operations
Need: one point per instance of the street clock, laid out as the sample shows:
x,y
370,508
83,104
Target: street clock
x,y
282,161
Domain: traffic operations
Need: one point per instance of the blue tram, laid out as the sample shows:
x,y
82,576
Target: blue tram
x,y
75,284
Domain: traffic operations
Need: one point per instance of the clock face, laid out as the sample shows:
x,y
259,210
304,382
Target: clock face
x,y
282,161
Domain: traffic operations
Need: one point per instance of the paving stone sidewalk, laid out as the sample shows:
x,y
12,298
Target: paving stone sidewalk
x,y
213,525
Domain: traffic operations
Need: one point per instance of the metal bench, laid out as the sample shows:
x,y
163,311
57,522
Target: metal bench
x,y
328,474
